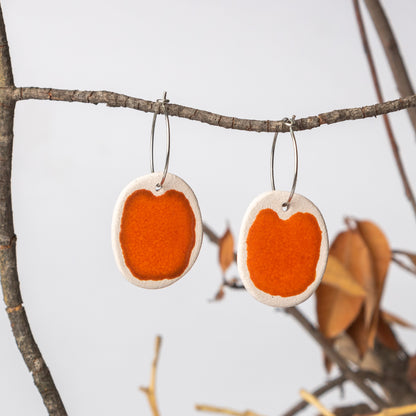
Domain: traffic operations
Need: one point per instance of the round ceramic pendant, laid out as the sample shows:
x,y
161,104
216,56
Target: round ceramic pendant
x,y
282,252
156,234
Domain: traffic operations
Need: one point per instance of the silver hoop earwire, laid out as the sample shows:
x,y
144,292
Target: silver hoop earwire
x,y
289,123
162,102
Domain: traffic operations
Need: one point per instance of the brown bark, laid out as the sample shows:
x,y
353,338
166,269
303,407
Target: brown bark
x,y
8,268
336,357
328,386
113,99
392,52
392,139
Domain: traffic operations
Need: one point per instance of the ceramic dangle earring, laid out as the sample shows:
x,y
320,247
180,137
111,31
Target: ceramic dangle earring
x,y
157,226
283,243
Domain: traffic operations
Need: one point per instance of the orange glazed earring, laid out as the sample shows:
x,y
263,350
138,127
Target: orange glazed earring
x,y
283,243
157,225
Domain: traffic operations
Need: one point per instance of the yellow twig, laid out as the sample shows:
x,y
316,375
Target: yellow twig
x,y
224,411
396,411
150,391
311,399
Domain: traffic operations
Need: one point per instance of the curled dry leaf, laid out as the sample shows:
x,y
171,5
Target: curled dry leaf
x,y
338,276
394,319
386,336
226,250
358,331
379,248
347,348
380,254
337,309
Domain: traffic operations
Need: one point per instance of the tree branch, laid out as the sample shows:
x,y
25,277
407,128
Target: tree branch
x,y
392,52
392,139
210,234
8,268
328,386
224,410
403,265
336,357
150,391
311,399
410,257
113,99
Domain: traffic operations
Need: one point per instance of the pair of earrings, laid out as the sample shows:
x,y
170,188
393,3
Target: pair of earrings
x,y
157,234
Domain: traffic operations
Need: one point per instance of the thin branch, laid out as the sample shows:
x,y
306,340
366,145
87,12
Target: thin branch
x,y
311,399
391,49
8,268
336,357
150,391
113,99
397,411
328,386
224,410
403,265
392,139
212,236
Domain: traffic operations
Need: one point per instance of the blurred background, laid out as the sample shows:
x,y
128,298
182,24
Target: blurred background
x,y
260,60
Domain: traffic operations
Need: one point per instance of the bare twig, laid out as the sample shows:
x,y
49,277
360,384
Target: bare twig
x,y
392,51
328,386
113,99
403,265
224,411
311,399
8,268
336,357
397,411
392,139
214,238
150,391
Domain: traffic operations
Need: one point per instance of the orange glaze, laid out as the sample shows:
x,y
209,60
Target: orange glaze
x,y
157,234
282,255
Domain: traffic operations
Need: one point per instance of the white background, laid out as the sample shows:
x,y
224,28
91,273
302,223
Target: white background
x,y
262,60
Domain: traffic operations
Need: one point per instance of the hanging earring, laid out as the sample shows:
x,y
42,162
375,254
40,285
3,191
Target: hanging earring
x,y
157,225
283,243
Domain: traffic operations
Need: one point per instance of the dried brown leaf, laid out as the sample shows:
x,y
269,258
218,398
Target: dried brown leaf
x,y
328,363
226,250
346,348
380,254
358,331
219,295
379,248
386,336
338,276
394,319
337,309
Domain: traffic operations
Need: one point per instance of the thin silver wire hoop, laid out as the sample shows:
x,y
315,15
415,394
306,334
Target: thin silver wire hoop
x,y
289,123
162,102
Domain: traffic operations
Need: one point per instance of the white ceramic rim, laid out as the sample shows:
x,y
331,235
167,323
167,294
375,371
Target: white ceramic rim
x,y
274,201
149,183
